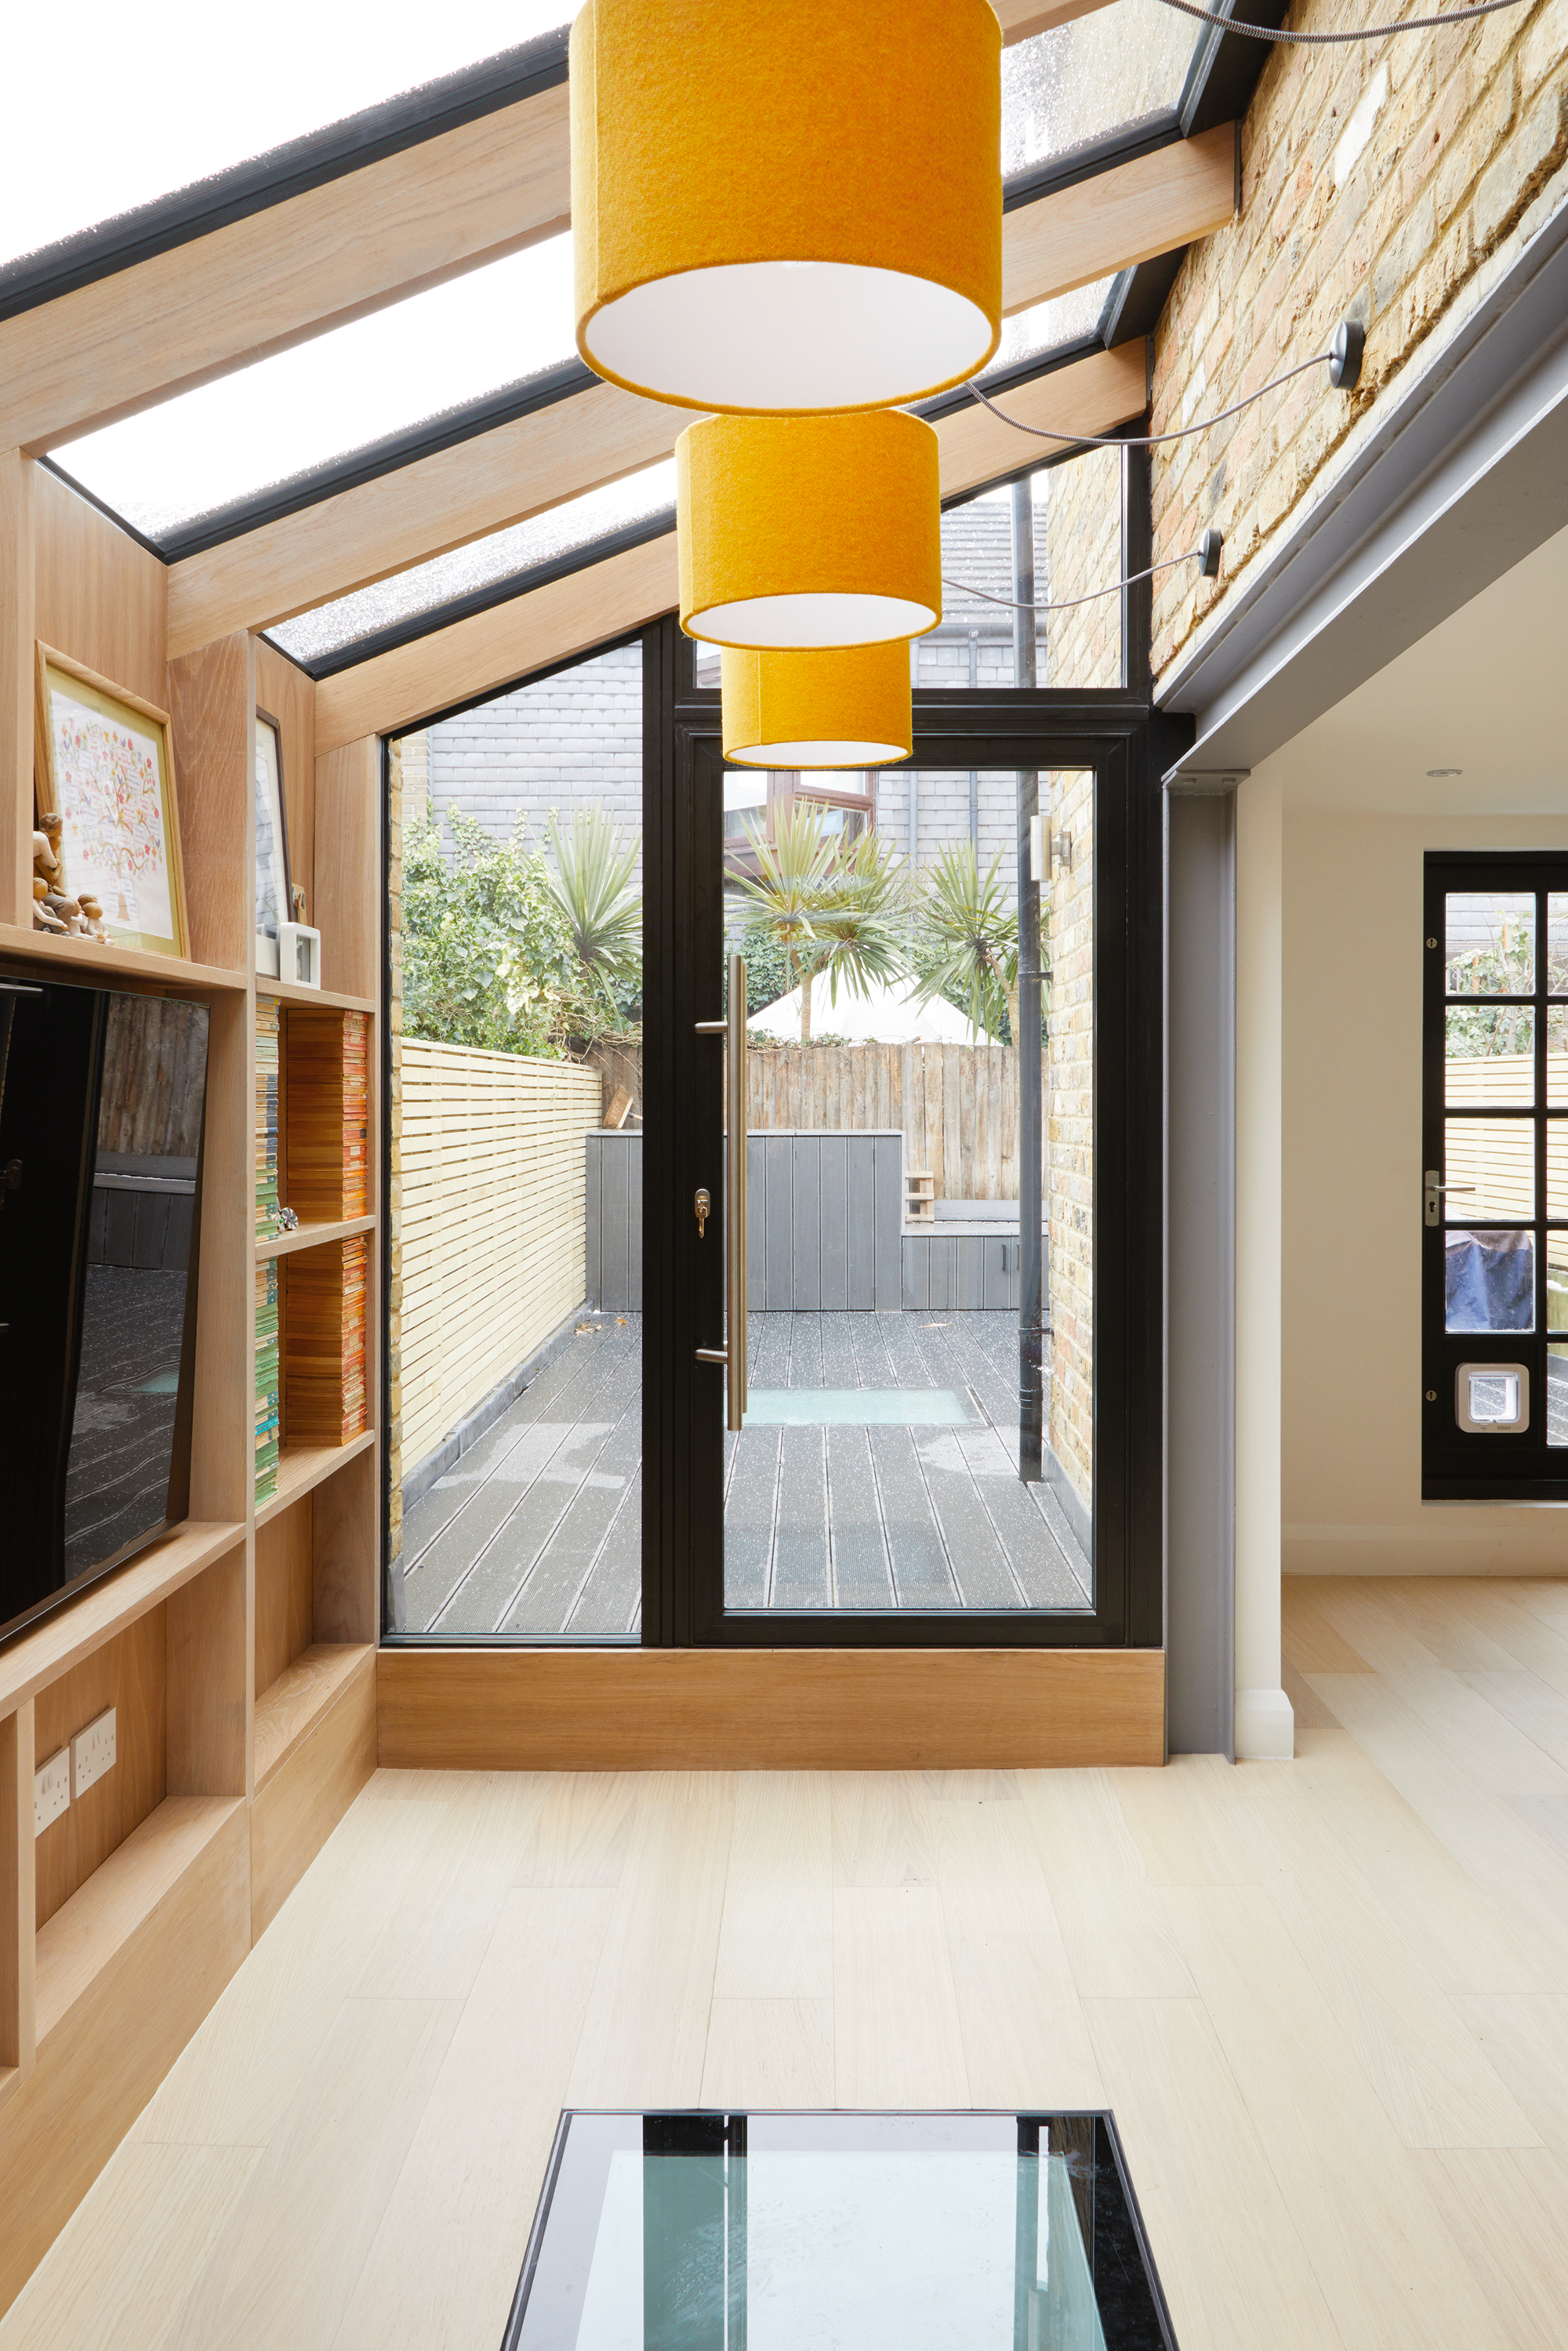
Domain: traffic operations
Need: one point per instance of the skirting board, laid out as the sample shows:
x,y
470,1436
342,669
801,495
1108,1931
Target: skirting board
x,y
768,1709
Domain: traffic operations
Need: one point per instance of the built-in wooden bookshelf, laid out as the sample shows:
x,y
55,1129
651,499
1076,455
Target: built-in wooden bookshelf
x,y
239,1651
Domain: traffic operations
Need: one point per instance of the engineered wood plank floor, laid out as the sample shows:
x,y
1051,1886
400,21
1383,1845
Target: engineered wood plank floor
x,y
1328,2002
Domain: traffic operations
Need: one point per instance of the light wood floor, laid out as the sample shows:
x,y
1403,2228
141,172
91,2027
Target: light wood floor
x,y
1327,2002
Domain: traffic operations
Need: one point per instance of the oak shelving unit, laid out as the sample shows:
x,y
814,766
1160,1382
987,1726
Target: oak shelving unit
x,y
239,1651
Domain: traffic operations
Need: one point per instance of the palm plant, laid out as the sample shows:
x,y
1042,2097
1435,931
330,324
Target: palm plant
x,y
832,906
967,939
591,883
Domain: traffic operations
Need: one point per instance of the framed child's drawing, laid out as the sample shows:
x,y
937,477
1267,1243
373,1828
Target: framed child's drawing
x,y
104,765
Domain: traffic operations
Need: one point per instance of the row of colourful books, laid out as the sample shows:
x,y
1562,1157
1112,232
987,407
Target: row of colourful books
x,y
267,1046
268,1413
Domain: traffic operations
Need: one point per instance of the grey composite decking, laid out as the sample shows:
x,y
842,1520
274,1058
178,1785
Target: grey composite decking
x,y
538,1529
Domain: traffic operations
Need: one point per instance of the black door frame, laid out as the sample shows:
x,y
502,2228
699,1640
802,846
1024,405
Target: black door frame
x,y
1129,746
1457,1466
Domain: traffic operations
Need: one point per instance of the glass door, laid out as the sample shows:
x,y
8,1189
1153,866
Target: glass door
x,y
934,1442
1494,1199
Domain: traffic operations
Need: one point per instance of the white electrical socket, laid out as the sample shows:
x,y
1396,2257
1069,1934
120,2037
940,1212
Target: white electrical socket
x,y
51,1790
92,1752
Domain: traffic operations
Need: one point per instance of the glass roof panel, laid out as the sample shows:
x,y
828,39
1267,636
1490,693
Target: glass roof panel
x,y
429,586
1051,326
1104,72
323,399
156,107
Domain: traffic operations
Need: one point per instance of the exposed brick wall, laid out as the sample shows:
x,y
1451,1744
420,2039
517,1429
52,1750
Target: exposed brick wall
x,y
1070,1134
1378,180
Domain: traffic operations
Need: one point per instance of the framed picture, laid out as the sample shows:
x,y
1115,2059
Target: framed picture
x,y
274,904
105,767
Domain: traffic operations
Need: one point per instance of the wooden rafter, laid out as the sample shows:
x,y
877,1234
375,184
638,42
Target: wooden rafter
x,y
479,656
1152,205
316,260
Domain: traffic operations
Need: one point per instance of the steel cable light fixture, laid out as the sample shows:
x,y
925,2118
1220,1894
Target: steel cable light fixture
x,y
787,209
847,707
808,531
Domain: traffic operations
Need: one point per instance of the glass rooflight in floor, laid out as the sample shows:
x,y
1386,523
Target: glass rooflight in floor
x,y
841,2231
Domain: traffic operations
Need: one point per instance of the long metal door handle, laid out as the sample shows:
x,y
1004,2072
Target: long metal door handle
x,y
735,1233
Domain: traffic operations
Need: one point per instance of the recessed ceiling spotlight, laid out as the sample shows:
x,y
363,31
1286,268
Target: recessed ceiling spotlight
x,y
1445,771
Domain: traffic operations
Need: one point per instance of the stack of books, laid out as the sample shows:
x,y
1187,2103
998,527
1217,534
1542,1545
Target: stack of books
x,y
356,1269
324,1343
267,1220
356,1113
267,1416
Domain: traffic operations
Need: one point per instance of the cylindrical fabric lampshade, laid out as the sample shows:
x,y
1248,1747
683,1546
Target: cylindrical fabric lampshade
x,y
786,208
808,530
847,707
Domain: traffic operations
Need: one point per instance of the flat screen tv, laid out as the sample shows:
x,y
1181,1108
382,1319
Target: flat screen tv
x,y
101,1101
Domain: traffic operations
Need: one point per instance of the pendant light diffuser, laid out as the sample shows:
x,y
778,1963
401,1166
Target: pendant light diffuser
x,y
787,209
849,707
799,532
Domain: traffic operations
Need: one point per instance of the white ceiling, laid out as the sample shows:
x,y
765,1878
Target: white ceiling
x,y
1487,691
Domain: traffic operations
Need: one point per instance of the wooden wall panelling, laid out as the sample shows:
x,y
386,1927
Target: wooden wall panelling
x,y
129,1674
290,695
17,1922
346,901
209,1671
99,597
17,564
94,2078
212,701
1151,205
283,1581
768,1710
302,1805
346,1551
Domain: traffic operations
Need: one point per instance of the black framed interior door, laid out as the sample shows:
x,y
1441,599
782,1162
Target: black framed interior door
x,y
847,1456
1494,1194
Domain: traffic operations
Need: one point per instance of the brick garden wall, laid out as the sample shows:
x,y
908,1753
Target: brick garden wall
x,y
1388,180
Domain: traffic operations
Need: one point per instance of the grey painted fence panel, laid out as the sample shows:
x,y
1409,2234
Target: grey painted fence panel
x,y
826,1231
860,1210
832,1158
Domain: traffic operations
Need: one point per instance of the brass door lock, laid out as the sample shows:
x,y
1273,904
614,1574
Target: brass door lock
x,y
703,1205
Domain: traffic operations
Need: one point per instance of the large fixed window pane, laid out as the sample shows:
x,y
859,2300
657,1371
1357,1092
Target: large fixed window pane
x,y
879,1465
517,1108
1076,531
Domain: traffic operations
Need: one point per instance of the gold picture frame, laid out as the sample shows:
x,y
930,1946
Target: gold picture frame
x,y
105,766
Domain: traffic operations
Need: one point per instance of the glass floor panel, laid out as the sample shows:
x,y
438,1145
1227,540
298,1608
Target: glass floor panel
x,y
838,2231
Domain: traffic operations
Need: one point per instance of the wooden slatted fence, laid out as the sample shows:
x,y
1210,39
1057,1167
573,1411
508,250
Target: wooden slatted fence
x,y
493,1238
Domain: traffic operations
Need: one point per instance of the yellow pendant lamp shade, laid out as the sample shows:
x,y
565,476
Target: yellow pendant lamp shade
x,y
849,707
810,530
783,207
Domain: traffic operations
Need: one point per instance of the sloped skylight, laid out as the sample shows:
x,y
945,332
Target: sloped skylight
x,y
129,104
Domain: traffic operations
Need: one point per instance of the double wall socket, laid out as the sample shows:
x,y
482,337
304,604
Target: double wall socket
x,y
51,1790
92,1752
